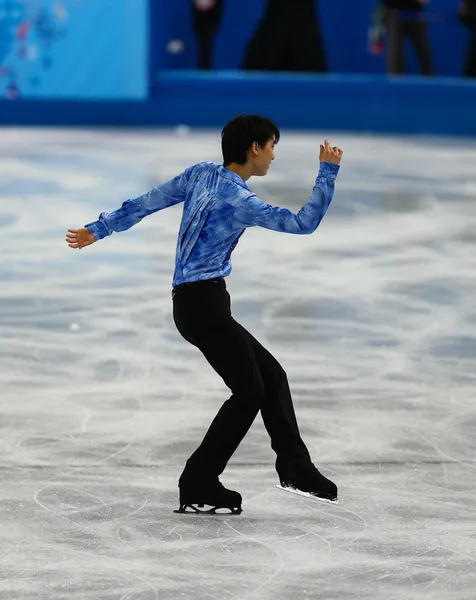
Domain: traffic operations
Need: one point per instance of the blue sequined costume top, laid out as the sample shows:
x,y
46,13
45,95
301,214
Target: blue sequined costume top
x,y
218,207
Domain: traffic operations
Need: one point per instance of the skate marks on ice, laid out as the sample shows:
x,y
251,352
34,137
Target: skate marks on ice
x,y
372,318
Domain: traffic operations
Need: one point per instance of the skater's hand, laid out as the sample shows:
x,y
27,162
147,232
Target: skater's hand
x,y
79,238
329,154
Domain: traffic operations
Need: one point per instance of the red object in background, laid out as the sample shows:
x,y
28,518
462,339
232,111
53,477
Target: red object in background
x,y
23,30
377,48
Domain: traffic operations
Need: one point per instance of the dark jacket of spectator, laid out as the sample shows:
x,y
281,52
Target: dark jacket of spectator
x,y
468,13
410,5
468,17
288,38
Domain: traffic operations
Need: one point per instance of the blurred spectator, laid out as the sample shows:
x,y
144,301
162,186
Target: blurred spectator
x,y
378,29
468,17
401,26
207,17
288,38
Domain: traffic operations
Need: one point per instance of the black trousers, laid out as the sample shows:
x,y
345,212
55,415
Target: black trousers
x,y
202,314
400,28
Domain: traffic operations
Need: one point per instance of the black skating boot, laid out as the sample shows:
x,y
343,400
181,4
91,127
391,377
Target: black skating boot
x,y
306,481
194,495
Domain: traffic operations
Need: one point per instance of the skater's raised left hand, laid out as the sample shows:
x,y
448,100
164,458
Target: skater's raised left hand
x,y
330,154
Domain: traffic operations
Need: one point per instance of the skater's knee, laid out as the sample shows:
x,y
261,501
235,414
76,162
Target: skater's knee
x,y
252,391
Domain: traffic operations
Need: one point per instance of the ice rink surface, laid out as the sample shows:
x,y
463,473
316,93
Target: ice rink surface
x,y
373,317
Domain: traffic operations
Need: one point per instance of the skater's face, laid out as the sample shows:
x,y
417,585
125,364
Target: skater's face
x,y
262,157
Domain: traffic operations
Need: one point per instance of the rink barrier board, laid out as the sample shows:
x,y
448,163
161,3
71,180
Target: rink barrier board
x,y
358,103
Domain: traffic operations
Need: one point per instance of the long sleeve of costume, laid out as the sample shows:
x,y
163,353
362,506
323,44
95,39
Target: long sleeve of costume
x,y
253,212
134,210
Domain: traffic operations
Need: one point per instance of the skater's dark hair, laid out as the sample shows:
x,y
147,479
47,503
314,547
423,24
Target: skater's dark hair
x,y
240,133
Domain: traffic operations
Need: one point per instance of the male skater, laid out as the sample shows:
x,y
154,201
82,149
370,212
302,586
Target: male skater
x,y
218,207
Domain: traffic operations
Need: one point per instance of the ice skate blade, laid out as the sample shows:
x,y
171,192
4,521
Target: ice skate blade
x,y
307,495
212,511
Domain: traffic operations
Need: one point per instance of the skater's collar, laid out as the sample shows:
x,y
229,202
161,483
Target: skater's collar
x,y
232,176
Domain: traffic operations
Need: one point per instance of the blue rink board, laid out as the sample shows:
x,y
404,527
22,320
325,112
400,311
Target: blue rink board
x,y
337,102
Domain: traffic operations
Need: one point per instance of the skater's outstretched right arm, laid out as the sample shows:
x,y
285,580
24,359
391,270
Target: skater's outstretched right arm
x,y
254,212
131,212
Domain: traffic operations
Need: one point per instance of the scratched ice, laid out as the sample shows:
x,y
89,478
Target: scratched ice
x,y
373,318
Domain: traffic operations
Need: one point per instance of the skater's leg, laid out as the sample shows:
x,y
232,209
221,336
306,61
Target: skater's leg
x,y
277,411
232,357
202,315
293,463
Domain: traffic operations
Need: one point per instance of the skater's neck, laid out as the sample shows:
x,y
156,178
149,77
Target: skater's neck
x,y
244,171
